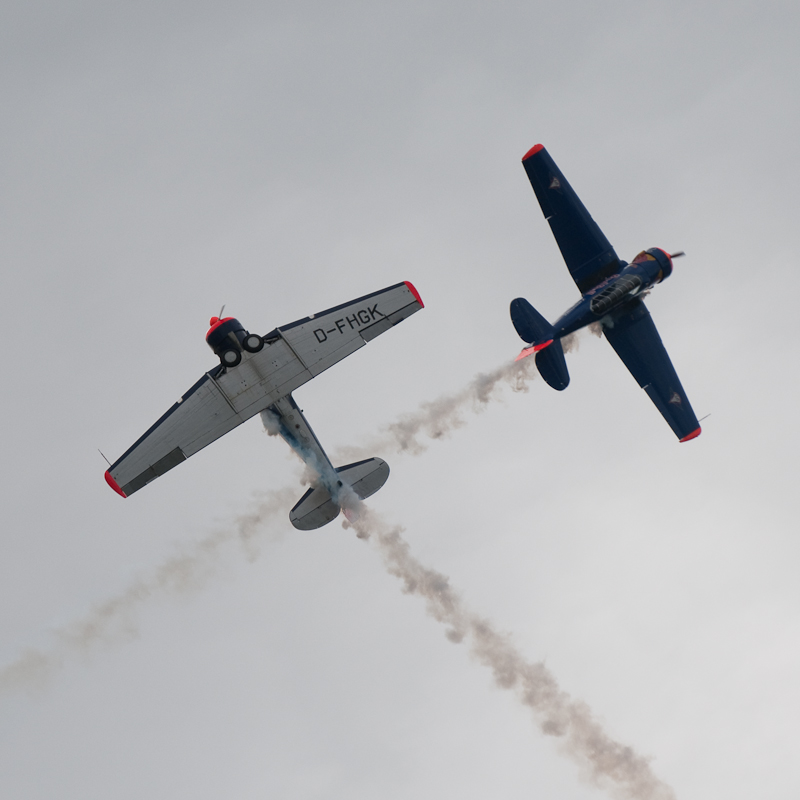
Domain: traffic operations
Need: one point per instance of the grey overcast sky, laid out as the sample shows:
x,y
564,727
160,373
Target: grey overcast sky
x,y
160,159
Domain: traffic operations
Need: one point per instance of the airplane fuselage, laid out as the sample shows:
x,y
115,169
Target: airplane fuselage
x,y
645,271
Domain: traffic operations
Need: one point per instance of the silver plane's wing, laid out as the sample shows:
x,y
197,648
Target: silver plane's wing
x,y
323,339
225,397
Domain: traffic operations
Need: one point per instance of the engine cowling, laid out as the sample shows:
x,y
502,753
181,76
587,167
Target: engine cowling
x,y
225,334
654,264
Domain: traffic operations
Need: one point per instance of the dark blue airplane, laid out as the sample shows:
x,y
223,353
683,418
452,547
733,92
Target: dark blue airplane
x,y
612,295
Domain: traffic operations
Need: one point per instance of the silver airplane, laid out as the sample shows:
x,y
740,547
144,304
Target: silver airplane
x,y
257,374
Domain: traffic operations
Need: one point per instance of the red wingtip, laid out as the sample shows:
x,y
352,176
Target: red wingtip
x,y
415,293
692,435
533,151
114,485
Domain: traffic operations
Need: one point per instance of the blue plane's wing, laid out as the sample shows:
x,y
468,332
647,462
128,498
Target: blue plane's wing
x,y
635,338
589,255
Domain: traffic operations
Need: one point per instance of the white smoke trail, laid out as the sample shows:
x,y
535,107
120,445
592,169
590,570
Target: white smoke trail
x,y
112,620
438,418
190,570
603,761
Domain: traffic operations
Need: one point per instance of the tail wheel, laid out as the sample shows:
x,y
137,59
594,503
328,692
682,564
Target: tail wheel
x,y
252,343
230,358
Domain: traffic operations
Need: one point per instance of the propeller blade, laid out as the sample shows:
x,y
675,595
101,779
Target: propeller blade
x,y
219,316
677,255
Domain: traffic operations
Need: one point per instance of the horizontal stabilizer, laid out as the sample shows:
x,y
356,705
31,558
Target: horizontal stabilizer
x,y
317,508
552,366
531,326
314,510
365,477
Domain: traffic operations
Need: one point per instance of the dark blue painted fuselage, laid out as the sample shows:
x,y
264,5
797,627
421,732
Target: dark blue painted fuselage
x,y
633,280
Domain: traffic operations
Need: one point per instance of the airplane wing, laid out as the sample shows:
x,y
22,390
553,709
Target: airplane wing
x,y
636,340
319,341
225,397
589,255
